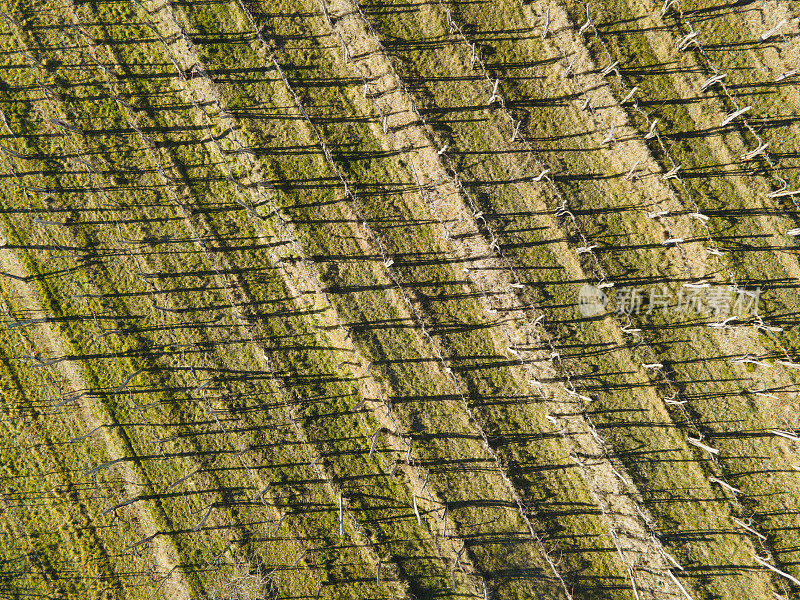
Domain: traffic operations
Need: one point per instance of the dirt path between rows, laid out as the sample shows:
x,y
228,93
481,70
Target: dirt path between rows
x,y
404,131
302,278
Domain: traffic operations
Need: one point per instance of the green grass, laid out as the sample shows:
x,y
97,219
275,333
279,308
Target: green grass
x,y
167,266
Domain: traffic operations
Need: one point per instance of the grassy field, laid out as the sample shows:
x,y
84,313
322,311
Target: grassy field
x,y
289,300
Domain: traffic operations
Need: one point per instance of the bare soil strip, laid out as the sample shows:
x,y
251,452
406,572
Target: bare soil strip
x,y
717,476
205,90
488,273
